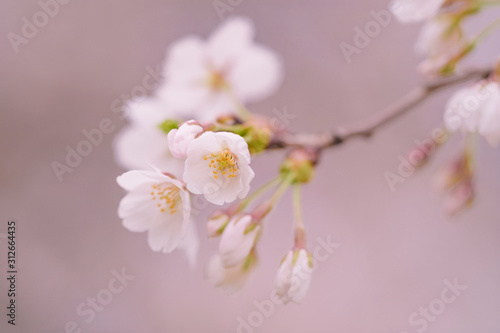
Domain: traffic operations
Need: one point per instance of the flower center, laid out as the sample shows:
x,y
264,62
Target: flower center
x,y
216,80
224,163
167,196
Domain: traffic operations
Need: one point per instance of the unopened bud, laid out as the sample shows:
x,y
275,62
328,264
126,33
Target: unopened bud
x,y
300,163
452,174
217,222
460,198
294,276
238,239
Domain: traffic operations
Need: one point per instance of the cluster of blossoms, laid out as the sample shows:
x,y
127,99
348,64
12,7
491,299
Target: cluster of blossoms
x,y
195,137
473,110
442,40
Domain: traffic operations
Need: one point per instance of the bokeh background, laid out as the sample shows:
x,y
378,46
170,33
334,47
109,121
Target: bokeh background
x,y
396,246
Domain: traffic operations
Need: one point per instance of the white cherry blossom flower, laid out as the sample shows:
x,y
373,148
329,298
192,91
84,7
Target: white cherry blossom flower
x,y
231,279
217,166
294,276
476,109
142,143
158,204
411,11
208,78
238,239
179,139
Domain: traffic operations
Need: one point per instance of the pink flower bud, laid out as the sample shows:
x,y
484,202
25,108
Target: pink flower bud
x,y
460,198
217,222
180,139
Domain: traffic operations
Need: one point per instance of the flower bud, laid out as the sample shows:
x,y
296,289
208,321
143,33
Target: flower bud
x,y
238,239
294,276
452,174
231,279
301,163
460,198
179,139
217,222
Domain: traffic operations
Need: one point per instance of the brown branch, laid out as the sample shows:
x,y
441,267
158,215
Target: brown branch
x,y
368,127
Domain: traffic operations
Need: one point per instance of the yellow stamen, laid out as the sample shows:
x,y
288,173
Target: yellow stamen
x,y
224,163
168,195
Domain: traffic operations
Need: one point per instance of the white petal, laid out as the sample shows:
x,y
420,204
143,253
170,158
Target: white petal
x,y
293,279
190,245
463,110
283,278
215,104
435,38
184,98
411,11
301,277
167,235
256,75
138,211
147,111
138,147
135,178
229,41
489,125
186,61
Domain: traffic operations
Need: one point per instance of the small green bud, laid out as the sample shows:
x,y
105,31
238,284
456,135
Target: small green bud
x,y
257,139
300,163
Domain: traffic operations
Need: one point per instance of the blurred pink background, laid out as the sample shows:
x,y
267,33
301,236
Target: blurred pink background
x,y
396,248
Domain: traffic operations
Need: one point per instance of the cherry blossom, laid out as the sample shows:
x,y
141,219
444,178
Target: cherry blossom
x,y
205,79
476,109
217,166
142,143
158,204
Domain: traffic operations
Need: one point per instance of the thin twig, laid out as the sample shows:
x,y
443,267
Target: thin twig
x,y
368,127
